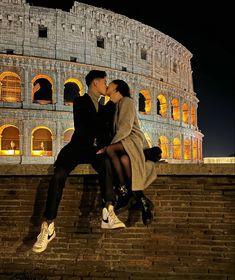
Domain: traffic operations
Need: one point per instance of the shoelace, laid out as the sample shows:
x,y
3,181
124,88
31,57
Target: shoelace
x,y
42,237
113,217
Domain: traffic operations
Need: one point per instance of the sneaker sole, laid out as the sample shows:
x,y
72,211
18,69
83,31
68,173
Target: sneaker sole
x,y
105,226
39,250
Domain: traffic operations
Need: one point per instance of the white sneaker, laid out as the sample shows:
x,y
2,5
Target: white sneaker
x,y
45,236
110,220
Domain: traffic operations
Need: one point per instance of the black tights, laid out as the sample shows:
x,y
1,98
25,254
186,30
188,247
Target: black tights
x,y
121,163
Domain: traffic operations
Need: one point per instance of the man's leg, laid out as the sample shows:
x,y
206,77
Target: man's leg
x,y
102,165
54,195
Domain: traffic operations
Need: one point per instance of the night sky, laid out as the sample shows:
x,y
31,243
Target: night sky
x,y
208,34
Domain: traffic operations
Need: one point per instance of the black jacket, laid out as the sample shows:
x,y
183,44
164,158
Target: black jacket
x,y
92,132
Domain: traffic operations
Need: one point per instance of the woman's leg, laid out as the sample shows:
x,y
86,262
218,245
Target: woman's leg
x,y
115,151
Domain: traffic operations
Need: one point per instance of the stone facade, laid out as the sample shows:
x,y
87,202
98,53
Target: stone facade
x,y
41,47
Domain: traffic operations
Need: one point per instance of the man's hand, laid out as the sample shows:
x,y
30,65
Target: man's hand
x,y
115,97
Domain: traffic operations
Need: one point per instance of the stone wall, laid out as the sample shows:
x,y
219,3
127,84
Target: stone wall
x,y
192,235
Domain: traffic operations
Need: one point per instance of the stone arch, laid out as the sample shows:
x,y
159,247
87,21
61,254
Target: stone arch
x,y
10,140
185,113
72,88
163,144
175,109
187,149
10,87
67,135
41,141
195,149
176,148
162,105
145,103
193,115
42,89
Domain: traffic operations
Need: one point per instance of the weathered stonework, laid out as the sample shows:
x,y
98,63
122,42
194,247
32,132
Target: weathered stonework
x,y
70,50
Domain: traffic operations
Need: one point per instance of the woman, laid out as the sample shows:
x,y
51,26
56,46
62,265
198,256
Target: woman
x,y
126,149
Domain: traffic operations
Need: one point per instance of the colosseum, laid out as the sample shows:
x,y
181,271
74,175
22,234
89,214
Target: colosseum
x,y
45,55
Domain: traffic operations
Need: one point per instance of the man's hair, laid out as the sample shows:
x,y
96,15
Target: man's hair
x,y
94,74
122,87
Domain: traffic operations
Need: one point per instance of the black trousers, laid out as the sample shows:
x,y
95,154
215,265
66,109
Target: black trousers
x,y
100,163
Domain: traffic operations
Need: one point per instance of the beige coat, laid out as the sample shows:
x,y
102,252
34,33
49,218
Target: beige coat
x,y
127,130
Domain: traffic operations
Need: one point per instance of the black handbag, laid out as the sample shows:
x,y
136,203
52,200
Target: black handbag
x,y
154,154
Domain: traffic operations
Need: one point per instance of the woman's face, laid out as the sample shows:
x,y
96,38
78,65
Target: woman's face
x,y
111,89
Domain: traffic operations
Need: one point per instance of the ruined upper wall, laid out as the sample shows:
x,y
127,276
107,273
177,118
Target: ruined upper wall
x,y
74,35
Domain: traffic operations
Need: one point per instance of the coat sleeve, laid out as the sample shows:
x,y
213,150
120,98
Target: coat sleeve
x,y
125,119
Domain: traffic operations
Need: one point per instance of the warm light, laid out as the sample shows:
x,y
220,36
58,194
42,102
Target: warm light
x,y
193,115
185,113
163,143
175,109
147,101
9,152
41,142
195,145
78,83
10,87
187,149
162,106
176,148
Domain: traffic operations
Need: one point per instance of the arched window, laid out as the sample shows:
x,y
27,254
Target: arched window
x,y
162,106
163,144
41,142
185,113
176,148
67,136
145,103
195,149
10,89
193,115
10,141
42,89
175,109
72,89
187,149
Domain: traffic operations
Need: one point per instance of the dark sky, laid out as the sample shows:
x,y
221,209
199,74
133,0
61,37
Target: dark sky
x,y
207,32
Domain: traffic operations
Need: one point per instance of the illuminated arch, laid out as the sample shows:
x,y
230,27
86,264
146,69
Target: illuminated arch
x,y
10,87
195,149
39,94
145,103
185,113
75,89
176,148
41,141
10,140
67,135
163,144
187,149
162,106
175,109
193,115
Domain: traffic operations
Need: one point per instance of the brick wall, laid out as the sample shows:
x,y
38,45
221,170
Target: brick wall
x,y
192,235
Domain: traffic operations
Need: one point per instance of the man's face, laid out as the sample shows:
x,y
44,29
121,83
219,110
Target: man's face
x,y
111,89
101,85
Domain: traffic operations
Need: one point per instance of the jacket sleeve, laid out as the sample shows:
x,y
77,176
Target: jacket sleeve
x,y
125,119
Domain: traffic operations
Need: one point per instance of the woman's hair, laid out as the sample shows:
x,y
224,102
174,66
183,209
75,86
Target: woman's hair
x,y
122,87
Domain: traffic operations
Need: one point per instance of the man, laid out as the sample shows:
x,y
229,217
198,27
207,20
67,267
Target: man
x,y
89,136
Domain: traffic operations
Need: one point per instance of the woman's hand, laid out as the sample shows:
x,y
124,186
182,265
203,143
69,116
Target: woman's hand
x,y
101,151
115,96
